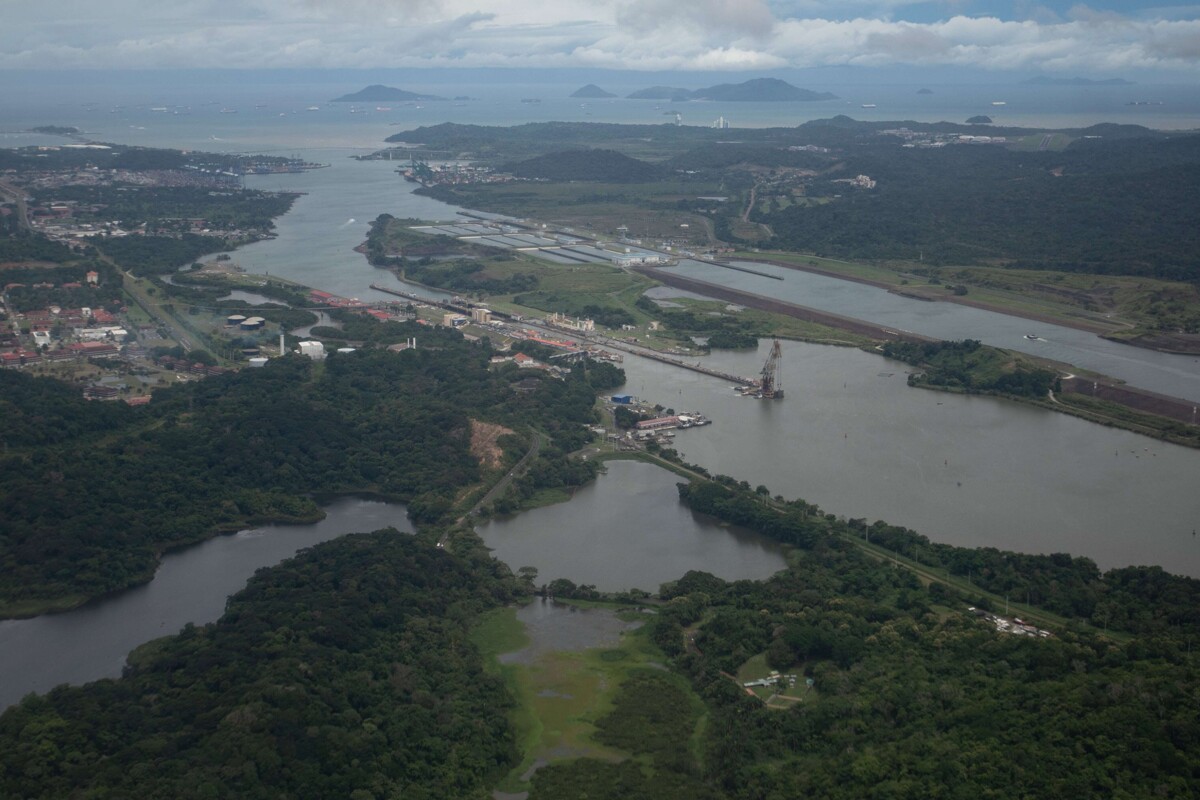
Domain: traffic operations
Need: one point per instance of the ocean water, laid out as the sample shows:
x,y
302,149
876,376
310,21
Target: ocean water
x,y
266,113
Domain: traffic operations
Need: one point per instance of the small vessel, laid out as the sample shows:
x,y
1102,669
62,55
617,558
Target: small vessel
x,y
228,110
868,105
1032,336
999,103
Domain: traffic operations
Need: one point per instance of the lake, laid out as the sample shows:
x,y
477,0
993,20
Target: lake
x,y
191,585
628,530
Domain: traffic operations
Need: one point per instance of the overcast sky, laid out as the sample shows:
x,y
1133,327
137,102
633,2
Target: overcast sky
x,y
1103,37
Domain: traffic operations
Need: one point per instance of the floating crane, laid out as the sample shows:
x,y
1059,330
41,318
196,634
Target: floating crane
x,y
769,388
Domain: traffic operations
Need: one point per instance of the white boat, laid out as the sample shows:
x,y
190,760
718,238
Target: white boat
x,y
868,105
999,103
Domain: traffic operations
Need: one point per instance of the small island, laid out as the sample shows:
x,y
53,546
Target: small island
x,y
377,93
924,91
56,130
591,92
979,119
754,90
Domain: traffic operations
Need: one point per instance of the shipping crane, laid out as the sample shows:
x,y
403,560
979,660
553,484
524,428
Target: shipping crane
x,y
769,387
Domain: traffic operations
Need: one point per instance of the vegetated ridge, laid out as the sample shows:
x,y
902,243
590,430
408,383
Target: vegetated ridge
x,y
756,89
377,92
587,165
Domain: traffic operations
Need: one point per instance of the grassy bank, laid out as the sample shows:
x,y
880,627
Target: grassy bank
x,y
560,695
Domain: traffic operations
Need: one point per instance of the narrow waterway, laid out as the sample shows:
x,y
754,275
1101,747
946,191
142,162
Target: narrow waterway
x,y
1175,375
853,437
315,240
191,586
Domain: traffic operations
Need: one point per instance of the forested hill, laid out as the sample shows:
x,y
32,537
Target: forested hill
x,y
587,165
255,445
1115,206
342,673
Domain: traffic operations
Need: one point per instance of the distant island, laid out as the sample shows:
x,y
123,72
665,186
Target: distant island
x,y
1045,80
924,91
376,93
981,119
756,89
56,130
591,91
661,93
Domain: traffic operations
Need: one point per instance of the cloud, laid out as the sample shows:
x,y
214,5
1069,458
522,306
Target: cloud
x,y
710,35
710,18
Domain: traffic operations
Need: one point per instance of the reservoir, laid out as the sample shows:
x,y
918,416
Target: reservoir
x,y
854,438
628,530
190,586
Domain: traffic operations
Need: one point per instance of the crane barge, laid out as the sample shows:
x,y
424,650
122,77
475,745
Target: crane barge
x,y
768,387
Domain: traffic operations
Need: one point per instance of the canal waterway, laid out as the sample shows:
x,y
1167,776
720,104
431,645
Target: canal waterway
x,y
192,585
628,530
315,240
1175,375
853,437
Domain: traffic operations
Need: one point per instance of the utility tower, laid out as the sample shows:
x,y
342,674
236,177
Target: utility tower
x,y
769,388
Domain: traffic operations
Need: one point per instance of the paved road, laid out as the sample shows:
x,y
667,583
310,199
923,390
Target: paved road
x,y
12,194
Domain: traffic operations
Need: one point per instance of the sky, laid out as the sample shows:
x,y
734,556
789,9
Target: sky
x,y
1102,38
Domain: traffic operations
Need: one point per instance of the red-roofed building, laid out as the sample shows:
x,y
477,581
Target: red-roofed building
x,y
95,349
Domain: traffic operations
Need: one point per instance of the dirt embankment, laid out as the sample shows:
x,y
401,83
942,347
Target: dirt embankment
x,y
484,448
1139,399
858,326
1187,344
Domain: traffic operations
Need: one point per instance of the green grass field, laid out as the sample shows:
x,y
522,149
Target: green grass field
x,y
560,695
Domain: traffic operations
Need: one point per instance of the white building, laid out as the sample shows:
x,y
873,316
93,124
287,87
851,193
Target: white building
x,y
314,350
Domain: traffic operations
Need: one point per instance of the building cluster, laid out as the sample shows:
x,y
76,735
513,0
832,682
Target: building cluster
x,y
913,138
859,181
454,175
1015,626
566,323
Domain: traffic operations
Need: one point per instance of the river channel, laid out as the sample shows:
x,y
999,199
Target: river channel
x,y
191,585
1175,375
